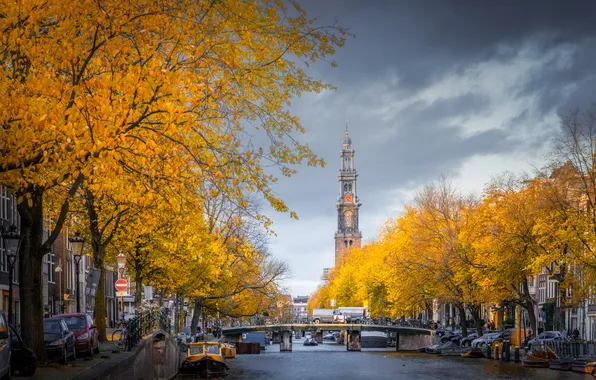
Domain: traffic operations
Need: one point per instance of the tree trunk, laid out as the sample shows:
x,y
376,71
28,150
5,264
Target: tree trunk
x,y
100,305
98,262
463,323
477,320
30,284
528,304
138,286
196,315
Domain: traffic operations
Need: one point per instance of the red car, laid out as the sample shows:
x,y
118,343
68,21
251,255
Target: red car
x,y
87,336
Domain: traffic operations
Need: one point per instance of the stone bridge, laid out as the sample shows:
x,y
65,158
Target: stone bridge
x,y
407,338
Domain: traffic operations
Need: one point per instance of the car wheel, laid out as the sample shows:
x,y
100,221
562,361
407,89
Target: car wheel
x,y
64,357
7,374
317,321
29,367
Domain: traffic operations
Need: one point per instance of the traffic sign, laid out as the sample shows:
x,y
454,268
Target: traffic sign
x,y
121,294
121,285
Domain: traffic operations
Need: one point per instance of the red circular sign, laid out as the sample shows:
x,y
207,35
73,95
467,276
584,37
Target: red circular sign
x,y
121,285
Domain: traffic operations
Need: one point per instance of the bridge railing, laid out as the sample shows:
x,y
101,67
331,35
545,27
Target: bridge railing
x,y
145,323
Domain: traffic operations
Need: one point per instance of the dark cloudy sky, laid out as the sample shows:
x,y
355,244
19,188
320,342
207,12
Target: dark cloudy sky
x,y
471,88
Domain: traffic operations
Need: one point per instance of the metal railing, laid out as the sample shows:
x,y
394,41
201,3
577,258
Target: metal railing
x,y
145,323
566,349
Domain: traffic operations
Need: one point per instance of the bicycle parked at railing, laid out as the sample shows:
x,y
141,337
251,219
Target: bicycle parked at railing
x,y
120,337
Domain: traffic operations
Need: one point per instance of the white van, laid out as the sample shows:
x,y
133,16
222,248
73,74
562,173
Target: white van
x,y
353,314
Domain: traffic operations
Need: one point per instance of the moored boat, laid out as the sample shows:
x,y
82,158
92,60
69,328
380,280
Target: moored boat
x,y
204,358
473,352
538,358
560,364
583,365
449,349
228,350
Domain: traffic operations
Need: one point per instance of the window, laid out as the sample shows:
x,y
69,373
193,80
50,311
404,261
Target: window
x,y
4,203
69,272
3,262
3,325
50,260
196,350
75,322
52,326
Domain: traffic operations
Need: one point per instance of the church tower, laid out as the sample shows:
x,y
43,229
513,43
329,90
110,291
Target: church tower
x,y
347,234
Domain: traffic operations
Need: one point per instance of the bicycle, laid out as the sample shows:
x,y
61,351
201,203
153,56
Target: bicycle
x,y
120,337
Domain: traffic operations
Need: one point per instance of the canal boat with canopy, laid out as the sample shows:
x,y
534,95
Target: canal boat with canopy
x,y
204,358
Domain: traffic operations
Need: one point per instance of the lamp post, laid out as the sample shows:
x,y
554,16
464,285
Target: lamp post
x,y
77,243
121,260
58,271
12,243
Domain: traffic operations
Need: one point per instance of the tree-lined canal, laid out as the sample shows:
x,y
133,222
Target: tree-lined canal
x,y
334,362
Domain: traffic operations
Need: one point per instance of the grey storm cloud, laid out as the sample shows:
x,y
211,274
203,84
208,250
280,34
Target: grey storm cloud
x,y
423,39
412,86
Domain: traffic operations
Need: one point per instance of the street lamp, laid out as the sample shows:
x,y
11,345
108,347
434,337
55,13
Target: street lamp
x,y
12,243
121,260
77,243
58,271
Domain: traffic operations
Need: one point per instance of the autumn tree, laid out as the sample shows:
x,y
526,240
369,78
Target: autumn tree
x,y
114,84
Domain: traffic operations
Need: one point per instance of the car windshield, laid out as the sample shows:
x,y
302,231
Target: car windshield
x,y
213,349
196,350
77,322
51,327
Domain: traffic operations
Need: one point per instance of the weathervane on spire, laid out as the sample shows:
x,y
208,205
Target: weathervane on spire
x,y
347,141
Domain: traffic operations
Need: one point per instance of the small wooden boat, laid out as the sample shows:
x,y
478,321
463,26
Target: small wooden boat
x,y
560,364
228,350
584,365
451,351
203,359
538,358
472,353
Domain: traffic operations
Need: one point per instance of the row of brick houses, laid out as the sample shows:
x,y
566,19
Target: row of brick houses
x,y
58,273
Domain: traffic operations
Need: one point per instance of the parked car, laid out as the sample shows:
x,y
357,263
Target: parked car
x,y
545,337
467,341
485,339
86,334
22,359
5,349
59,340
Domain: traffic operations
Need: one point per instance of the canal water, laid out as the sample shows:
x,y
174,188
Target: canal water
x,y
333,362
